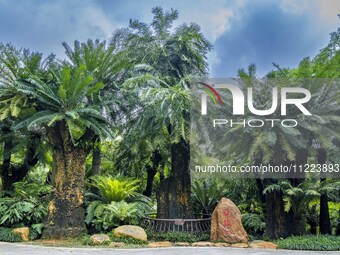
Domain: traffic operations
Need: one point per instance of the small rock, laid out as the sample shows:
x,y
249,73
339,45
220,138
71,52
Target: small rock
x,y
99,239
259,244
23,233
160,244
117,244
221,245
240,245
130,231
203,244
182,244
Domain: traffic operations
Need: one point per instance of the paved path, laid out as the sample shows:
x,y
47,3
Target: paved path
x,y
15,249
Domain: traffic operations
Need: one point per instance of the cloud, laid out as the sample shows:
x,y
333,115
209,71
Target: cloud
x,y
267,34
43,25
327,11
293,6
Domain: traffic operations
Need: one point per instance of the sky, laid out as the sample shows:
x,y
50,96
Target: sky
x,y
241,31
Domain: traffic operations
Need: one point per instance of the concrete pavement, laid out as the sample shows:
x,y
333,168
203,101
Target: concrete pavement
x,y
25,249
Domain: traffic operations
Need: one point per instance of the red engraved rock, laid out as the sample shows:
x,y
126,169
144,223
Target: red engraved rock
x,y
226,223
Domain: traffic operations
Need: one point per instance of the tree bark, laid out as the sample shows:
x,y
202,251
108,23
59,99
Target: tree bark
x,y
324,220
174,194
151,172
324,223
9,173
276,218
66,211
96,157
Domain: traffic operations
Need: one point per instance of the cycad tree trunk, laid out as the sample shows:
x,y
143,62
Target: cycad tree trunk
x,y
10,173
151,172
66,209
324,220
276,218
96,157
174,196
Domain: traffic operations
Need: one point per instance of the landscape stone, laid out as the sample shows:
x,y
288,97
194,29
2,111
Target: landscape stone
x,y
99,239
181,244
117,244
203,244
221,244
130,231
160,244
239,245
259,244
23,233
226,223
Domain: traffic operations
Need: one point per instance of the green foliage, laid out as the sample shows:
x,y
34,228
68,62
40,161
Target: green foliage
x,y
31,189
7,235
313,243
106,216
114,201
206,193
86,240
253,223
15,211
36,231
296,198
109,188
177,236
127,240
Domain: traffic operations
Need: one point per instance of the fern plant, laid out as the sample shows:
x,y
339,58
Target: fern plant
x,y
253,223
114,201
296,198
206,194
109,188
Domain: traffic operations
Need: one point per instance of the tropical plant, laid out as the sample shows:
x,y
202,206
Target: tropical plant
x,y
254,223
296,198
19,211
206,193
114,201
61,104
7,235
163,60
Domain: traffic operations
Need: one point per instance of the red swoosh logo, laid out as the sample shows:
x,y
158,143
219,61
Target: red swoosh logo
x,y
213,90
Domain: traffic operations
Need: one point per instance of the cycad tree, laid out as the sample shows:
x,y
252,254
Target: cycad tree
x,y
61,104
18,64
107,66
166,57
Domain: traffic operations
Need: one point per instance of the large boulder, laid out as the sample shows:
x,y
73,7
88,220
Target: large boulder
x,y
99,239
130,231
23,232
226,223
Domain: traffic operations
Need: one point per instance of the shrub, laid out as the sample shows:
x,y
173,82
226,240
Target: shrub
x,y
108,188
7,235
253,223
128,240
36,231
311,242
27,189
18,211
113,202
206,194
177,236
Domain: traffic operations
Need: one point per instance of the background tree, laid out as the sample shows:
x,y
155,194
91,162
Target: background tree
x,y
172,57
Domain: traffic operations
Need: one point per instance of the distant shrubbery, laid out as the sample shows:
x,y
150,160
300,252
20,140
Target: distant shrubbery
x,y
311,242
